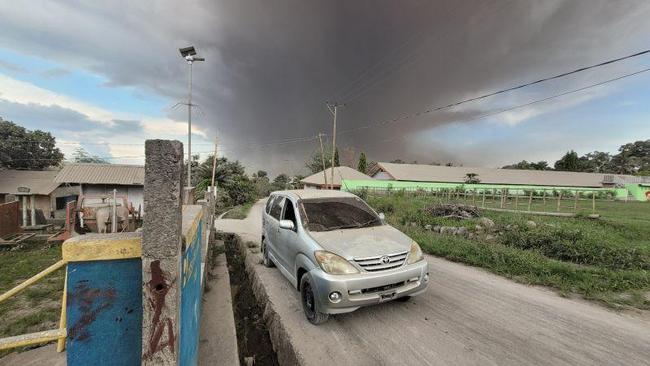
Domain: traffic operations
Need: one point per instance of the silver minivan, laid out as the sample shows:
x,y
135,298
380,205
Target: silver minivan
x,y
338,252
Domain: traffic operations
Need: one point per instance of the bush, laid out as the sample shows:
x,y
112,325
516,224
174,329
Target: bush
x,y
574,246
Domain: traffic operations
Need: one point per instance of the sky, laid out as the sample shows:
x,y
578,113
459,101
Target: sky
x,y
105,76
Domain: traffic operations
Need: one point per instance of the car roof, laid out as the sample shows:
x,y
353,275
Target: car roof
x,y
314,193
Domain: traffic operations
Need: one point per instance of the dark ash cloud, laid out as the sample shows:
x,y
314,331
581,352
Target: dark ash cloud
x,y
272,65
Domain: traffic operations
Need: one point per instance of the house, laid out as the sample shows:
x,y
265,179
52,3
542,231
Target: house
x,y
451,174
317,181
94,180
36,192
420,176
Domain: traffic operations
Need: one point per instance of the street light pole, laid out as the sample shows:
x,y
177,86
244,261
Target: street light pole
x,y
189,129
189,53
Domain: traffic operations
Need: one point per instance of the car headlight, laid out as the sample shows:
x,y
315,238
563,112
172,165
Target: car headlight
x,y
415,254
333,264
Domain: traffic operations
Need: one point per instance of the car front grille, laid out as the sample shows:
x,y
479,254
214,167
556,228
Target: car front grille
x,y
382,262
372,290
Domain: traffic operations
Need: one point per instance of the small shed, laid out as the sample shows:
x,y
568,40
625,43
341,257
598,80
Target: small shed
x,y
318,180
101,179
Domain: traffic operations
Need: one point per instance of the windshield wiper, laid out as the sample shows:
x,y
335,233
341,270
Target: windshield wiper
x,y
346,226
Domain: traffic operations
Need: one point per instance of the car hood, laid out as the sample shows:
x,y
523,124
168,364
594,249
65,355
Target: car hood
x,y
364,242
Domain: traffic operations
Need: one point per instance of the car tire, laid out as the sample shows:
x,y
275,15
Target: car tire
x,y
265,255
309,304
403,298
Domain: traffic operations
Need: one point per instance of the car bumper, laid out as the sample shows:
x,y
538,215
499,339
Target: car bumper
x,y
368,288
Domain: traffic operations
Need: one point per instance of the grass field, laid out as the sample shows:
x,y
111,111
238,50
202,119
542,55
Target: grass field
x,y
39,306
607,260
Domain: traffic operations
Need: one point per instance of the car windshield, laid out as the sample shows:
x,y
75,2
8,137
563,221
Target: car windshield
x,y
328,214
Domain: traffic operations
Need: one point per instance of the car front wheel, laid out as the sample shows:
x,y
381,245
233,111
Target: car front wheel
x,y
265,255
309,302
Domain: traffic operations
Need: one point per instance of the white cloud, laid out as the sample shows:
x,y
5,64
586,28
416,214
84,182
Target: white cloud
x,y
516,116
165,127
17,91
119,134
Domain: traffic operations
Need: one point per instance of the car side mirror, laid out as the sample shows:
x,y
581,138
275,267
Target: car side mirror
x,y
382,217
287,225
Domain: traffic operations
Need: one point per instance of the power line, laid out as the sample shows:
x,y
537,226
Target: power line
x,y
562,94
508,109
501,91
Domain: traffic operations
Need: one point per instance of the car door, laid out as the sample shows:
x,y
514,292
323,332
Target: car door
x,y
288,240
266,215
273,228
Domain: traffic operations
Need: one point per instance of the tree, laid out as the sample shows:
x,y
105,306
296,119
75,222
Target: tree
x,y
595,162
295,181
234,187
472,178
80,155
569,162
281,182
363,164
525,165
336,158
24,149
398,161
262,184
632,158
315,163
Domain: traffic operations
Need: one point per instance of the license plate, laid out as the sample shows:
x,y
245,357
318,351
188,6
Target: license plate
x,y
386,297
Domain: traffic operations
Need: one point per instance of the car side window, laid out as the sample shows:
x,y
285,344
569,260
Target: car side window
x,y
289,212
269,204
276,209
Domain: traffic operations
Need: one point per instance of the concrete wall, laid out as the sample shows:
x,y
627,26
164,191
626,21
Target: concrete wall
x,y
103,299
135,298
191,286
639,192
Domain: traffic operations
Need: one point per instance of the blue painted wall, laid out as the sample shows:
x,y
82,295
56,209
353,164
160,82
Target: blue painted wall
x,y
191,300
104,310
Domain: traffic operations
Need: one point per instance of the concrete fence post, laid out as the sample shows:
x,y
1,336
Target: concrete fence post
x,y
162,252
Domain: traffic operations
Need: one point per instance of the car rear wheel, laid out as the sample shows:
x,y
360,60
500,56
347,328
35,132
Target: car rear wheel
x,y
309,303
265,255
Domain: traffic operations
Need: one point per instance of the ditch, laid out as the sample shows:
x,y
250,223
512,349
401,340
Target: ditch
x,y
253,340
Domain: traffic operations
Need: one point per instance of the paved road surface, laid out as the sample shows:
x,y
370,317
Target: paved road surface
x,y
467,317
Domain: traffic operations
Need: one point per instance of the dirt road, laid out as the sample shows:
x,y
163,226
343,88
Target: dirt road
x,y
467,317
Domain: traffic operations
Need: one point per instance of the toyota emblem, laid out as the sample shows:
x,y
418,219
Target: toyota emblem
x,y
385,259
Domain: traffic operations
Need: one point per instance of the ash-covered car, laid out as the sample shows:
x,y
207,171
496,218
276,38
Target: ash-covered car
x,y
338,252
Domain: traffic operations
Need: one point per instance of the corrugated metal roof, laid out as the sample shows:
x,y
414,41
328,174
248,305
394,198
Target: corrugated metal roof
x,y
340,172
432,173
101,174
38,181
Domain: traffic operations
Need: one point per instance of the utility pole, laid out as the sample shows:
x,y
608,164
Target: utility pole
x,y
333,109
322,157
189,54
214,168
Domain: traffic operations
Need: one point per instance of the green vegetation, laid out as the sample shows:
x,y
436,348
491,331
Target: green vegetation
x,y
238,212
24,149
39,306
607,259
632,158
